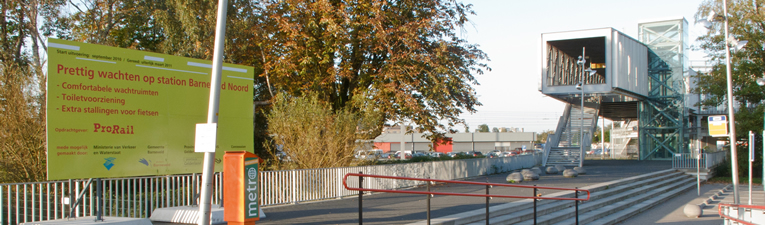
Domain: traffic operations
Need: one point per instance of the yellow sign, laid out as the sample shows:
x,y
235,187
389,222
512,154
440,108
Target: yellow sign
x,y
116,112
718,126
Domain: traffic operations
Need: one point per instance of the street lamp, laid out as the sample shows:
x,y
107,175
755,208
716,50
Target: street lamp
x,y
580,86
707,22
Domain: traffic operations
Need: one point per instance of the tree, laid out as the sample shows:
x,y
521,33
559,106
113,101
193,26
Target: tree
x,y
314,136
23,88
494,130
483,128
599,132
745,23
542,136
403,58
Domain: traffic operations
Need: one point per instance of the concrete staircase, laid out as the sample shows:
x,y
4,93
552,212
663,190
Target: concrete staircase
x,y
609,203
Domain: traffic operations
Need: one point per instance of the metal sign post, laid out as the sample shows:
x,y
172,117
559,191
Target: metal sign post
x,y
751,159
212,113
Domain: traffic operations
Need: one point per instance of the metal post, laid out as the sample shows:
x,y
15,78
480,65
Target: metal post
x,y
698,172
603,138
751,159
576,204
403,142
361,195
535,204
581,111
487,200
428,184
731,116
72,199
99,200
208,167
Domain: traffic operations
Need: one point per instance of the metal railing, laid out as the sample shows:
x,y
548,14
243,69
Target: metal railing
x,y
122,197
690,160
360,187
733,213
139,196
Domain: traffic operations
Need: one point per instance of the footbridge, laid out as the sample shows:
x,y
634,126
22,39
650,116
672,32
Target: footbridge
x,y
639,83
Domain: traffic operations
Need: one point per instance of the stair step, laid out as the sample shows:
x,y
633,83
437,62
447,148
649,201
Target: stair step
x,y
612,204
638,206
601,194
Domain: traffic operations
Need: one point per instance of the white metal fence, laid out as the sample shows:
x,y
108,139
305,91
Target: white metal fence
x,y
753,216
139,196
689,160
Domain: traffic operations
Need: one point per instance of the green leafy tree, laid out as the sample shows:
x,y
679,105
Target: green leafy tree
x,y
542,136
403,58
599,132
747,64
483,128
745,23
314,136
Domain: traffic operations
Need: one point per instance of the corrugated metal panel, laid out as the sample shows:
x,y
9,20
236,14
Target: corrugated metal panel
x,y
385,137
462,146
484,146
485,137
461,137
516,136
629,64
422,146
394,147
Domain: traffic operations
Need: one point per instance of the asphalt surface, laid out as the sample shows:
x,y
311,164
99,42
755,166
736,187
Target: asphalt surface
x,y
390,208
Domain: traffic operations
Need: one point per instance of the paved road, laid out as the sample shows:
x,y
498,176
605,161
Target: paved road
x,y
388,208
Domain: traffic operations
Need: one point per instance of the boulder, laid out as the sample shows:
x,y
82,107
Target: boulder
x,y
530,176
537,170
551,170
580,170
570,173
560,168
514,178
692,211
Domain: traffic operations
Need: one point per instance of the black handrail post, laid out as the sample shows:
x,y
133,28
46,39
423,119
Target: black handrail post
x,y
535,204
361,194
576,202
428,184
487,199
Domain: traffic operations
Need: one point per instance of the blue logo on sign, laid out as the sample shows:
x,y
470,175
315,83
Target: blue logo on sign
x,y
144,161
109,163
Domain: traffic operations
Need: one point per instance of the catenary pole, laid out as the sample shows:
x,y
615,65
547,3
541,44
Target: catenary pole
x,y
212,113
731,112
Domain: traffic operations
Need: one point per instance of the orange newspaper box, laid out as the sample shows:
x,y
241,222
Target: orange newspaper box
x,y
240,188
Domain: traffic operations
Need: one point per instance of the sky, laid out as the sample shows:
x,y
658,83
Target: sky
x,y
510,31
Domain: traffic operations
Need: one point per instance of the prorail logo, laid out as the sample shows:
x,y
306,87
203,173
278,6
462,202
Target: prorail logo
x,y
114,129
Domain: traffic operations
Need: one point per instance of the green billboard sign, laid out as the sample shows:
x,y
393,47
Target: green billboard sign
x,y
116,112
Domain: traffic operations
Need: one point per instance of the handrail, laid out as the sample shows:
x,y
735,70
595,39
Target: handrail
x,y
719,211
345,184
